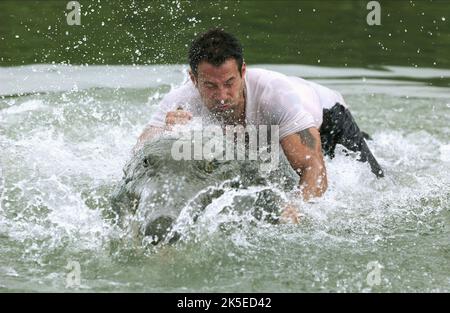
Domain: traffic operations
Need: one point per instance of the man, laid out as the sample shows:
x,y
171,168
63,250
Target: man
x,y
312,119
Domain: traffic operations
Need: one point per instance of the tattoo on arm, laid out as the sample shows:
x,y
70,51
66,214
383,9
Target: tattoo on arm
x,y
307,138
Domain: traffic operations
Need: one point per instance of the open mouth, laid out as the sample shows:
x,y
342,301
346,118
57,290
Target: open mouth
x,y
222,107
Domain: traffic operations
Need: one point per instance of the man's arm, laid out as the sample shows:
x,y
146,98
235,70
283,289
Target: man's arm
x,y
304,152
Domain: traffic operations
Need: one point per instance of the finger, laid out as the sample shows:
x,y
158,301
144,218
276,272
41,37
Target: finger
x,y
182,121
171,120
180,114
183,114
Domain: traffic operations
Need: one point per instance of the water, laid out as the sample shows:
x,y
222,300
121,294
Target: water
x,y
67,131
413,33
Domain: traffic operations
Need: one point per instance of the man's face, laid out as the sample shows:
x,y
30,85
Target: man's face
x,y
221,87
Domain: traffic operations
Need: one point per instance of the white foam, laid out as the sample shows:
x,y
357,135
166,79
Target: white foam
x,y
445,152
30,105
2,190
9,271
47,77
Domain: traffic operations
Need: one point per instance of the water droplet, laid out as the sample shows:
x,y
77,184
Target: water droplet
x,y
443,19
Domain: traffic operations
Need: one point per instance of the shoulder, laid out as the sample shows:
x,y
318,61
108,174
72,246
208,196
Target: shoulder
x,y
267,86
262,76
271,83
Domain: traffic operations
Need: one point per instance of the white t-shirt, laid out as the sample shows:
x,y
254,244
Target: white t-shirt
x,y
272,98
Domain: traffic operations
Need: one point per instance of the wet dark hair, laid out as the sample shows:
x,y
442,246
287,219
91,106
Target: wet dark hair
x,y
215,47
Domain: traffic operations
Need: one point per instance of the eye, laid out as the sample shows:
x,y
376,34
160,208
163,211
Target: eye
x,y
229,83
209,86
150,161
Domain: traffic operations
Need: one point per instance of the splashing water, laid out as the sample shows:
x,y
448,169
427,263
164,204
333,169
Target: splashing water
x,y
65,142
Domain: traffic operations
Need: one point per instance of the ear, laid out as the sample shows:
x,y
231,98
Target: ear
x,y
243,69
193,78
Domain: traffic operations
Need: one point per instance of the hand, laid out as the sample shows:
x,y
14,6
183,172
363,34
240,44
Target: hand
x,y
289,215
178,117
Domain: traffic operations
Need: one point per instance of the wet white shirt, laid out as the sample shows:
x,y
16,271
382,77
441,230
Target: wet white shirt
x,y
272,98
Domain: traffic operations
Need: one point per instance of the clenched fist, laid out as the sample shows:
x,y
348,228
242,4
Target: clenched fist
x,y
178,117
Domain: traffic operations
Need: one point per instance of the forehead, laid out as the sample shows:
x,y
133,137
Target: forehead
x,y
225,71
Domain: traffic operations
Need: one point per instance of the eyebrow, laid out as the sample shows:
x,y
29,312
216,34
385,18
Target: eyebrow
x,y
227,81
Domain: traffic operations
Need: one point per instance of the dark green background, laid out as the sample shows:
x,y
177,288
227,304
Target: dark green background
x,y
329,33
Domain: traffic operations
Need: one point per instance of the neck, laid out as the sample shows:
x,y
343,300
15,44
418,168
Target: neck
x,y
239,116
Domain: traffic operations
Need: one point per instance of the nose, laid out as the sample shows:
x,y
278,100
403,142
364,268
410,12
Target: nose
x,y
221,94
